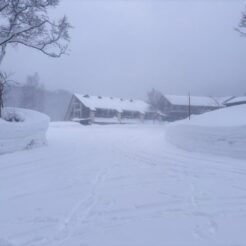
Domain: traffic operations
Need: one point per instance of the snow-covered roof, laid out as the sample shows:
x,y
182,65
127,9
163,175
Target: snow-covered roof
x,y
113,103
236,100
194,100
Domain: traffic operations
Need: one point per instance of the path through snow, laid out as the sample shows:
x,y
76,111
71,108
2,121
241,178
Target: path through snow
x,y
120,185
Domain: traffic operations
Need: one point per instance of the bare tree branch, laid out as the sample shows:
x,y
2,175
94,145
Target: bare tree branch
x,y
27,23
3,6
242,25
10,39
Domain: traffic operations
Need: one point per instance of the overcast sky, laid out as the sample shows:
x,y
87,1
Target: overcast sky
x,y
125,48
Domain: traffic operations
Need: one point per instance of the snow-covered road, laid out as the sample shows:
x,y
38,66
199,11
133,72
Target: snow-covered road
x,y
120,185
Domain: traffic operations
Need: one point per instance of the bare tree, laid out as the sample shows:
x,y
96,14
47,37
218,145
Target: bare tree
x,y
156,100
33,93
26,22
242,24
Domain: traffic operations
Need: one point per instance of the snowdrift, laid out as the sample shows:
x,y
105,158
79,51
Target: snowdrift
x,y
220,132
23,135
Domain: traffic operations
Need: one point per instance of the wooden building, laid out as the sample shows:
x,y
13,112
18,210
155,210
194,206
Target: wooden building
x,y
235,101
97,108
180,107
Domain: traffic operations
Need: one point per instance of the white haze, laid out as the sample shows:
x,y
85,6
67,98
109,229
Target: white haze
x,y
124,48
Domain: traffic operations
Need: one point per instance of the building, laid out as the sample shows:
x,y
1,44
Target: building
x,y
233,101
87,109
180,107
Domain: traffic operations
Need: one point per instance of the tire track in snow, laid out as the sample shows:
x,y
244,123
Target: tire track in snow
x,y
177,168
76,216
207,226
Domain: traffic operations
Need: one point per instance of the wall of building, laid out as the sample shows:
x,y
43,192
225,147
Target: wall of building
x,y
77,110
178,112
105,113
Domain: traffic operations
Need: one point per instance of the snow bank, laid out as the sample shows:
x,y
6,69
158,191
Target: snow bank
x,y
221,132
23,135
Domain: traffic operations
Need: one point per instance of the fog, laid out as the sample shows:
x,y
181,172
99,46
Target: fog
x,y
136,137
125,48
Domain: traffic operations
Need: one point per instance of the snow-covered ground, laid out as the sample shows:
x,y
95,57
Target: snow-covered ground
x,y
22,135
115,120
120,185
221,132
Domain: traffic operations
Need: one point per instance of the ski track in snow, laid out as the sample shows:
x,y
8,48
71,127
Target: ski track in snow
x,y
120,185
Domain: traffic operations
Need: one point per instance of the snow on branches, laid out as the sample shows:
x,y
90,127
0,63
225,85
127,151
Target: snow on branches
x,y
27,22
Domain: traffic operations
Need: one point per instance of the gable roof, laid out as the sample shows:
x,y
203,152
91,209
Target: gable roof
x,y
113,103
194,100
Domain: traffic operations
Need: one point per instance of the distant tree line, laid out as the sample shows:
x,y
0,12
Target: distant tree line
x,y
33,95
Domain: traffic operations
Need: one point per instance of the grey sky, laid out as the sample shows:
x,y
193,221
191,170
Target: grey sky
x,y
124,48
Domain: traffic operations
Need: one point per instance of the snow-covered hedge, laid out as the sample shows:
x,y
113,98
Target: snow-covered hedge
x,y
13,116
28,132
221,132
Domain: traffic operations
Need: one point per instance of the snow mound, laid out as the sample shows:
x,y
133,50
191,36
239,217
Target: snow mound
x,y
220,132
65,124
25,134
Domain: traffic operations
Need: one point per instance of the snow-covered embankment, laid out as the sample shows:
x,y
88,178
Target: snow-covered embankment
x,y
23,135
220,132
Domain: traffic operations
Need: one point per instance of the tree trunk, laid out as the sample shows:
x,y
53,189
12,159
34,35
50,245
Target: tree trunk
x,y
2,84
1,101
2,52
